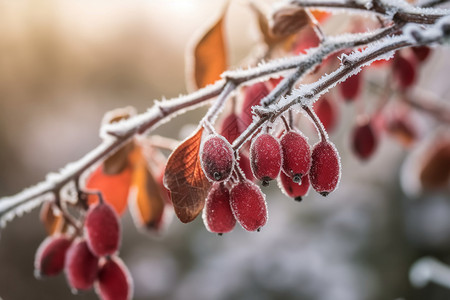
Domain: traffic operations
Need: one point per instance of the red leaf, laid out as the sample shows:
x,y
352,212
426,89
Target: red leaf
x,y
185,179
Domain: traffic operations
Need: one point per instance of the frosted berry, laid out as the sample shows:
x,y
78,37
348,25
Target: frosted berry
x,y
253,96
364,140
296,155
421,52
293,189
217,158
102,229
404,71
114,281
326,111
244,164
325,168
50,256
217,214
232,127
265,157
351,87
248,205
81,266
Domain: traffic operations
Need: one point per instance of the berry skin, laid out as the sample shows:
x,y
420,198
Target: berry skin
x,y
265,157
351,87
244,164
325,168
364,140
50,256
81,266
253,96
114,281
296,155
102,229
293,189
217,158
248,205
404,71
217,214
326,111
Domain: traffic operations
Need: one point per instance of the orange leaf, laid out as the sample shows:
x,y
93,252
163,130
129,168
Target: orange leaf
x,y
52,222
146,199
210,55
185,179
320,15
114,188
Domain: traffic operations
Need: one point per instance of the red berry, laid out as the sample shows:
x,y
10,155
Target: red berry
x,y
81,266
326,111
325,168
293,189
217,158
244,164
50,256
404,71
421,52
102,229
364,140
114,281
232,127
217,214
351,87
265,156
296,155
248,205
253,96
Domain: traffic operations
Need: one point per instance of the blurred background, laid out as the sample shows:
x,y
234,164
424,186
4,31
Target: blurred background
x,y
63,64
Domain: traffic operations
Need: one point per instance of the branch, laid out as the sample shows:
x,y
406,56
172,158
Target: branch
x,y
396,10
117,134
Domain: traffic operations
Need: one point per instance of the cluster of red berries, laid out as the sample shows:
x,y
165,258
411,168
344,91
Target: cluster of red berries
x,y
364,138
90,259
234,196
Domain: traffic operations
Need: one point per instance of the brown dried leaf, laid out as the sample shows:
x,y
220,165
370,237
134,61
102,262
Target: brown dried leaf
x,y
210,55
288,20
52,222
263,23
185,179
117,162
146,200
435,171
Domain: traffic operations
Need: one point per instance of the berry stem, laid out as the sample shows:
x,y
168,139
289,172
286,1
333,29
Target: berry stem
x,y
319,126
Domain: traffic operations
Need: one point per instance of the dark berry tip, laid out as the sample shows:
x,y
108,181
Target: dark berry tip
x,y
297,178
217,176
259,229
220,234
324,193
298,199
265,183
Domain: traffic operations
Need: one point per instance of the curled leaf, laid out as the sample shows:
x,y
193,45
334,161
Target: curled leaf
x,y
146,198
185,179
117,162
209,55
53,222
288,20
